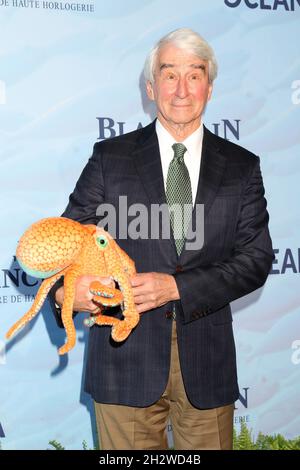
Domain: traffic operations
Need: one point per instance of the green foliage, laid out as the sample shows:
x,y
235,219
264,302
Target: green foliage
x,y
84,445
57,445
242,441
245,441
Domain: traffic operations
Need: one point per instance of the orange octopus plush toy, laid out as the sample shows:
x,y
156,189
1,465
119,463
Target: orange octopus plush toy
x,y
56,247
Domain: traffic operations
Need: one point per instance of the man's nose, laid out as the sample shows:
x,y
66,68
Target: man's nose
x,y
182,88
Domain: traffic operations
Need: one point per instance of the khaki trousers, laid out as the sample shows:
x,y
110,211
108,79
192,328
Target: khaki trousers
x,y
130,428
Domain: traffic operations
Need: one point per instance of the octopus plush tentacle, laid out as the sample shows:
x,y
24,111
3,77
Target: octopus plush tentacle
x,y
121,267
106,296
127,262
67,310
36,306
121,330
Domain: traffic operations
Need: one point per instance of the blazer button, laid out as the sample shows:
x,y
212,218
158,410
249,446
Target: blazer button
x,y
179,268
169,315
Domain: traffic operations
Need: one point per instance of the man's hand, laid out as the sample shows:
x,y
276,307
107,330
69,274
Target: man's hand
x,y
83,297
151,290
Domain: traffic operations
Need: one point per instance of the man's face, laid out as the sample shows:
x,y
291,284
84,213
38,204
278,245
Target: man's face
x,y
181,88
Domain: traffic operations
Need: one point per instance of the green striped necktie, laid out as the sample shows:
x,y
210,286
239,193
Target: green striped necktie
x,y
179,195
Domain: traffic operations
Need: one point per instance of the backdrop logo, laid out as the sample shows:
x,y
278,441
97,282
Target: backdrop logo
x,y
227,128
288,5
243,398
286,261
108,128
15,277
43,4
1,431
2,92
296,93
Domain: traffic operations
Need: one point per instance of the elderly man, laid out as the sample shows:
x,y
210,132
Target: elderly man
x,y
179,363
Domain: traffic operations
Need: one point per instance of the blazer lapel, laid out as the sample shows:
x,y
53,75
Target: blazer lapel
x,y
148,165
213,164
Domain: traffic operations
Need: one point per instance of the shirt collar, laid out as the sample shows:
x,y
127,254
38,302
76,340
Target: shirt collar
x,y
166,140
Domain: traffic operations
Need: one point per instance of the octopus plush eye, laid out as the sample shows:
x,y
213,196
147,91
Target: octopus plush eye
x,y
102,241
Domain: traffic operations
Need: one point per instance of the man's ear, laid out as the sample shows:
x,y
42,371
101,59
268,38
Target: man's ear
x,y
210,89
150,92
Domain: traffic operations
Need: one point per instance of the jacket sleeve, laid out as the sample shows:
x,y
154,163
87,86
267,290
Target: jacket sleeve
x,y
88,192
82,207
206,289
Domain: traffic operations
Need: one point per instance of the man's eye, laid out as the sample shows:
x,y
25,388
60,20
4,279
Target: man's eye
x,y
170,76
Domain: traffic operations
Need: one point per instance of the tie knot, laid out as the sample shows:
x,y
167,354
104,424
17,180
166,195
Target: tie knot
x,y
179,151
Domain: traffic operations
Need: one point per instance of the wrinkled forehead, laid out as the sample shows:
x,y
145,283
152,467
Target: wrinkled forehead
x,y
170,56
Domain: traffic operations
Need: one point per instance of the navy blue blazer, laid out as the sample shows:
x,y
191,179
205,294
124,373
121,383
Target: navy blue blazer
x,y
235,259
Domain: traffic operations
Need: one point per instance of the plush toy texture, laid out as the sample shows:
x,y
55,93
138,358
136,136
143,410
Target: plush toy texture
x,y
55,247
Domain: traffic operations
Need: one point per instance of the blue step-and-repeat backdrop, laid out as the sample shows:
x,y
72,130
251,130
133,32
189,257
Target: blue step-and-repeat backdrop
x,y
71,74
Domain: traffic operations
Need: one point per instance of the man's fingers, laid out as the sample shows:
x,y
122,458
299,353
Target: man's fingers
x,y
107,281
89,295
139,299
139,279
94,307
140,290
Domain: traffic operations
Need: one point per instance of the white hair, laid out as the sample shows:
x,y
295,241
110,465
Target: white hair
x,y
188,40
